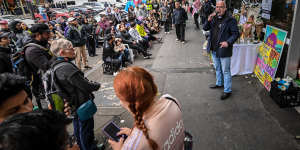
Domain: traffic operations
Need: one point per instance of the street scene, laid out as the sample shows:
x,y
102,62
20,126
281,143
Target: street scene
x,y
142,74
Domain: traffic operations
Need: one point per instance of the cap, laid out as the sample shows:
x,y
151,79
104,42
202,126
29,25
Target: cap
x,y
4,34
71,19
39,28
3,22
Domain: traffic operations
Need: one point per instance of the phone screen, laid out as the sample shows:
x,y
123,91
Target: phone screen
x,y
111,130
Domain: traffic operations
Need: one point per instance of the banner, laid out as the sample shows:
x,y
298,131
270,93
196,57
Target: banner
x,y
269,55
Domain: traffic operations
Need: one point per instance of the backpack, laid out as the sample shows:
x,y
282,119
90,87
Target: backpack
x,y
55,94
20,66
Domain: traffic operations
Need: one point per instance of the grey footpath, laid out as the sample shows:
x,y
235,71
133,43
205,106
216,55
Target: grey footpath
x,y
249,120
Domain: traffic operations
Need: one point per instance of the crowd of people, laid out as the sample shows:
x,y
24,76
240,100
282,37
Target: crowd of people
x,y
52,45
29,56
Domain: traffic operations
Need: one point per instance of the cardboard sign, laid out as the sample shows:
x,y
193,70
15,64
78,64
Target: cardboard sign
x,y
269,55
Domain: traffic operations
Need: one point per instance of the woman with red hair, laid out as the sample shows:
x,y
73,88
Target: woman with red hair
x,y
158,123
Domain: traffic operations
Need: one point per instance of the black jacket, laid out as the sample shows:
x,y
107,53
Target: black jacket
x,y
108,50
5,60
179,16
229,32
78,88
76,38
38,57
125,36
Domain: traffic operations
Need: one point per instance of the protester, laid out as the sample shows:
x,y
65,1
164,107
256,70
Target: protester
x,y
165,13
220,44
5,53
4,25
16,98
135,88
179,20
38,57
74,34
42,129
78,90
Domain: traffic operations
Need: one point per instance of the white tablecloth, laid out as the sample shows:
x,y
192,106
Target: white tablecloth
x,y
243,58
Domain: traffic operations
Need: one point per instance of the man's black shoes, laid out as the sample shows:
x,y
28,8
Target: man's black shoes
x,y
213,86
225,96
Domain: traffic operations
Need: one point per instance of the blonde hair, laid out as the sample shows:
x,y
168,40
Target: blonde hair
x,y
57,45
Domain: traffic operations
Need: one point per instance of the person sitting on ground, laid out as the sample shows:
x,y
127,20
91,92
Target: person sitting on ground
x,y
147,36
154,117
41,129
136,36
127,39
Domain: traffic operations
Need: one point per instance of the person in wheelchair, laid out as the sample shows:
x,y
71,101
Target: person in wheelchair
x,y
123,52
111,63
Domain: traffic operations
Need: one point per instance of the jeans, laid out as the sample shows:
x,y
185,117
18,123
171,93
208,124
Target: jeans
x,y
223,74
84,133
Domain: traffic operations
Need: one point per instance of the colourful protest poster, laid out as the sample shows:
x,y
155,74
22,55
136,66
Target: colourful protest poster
x,y
269,54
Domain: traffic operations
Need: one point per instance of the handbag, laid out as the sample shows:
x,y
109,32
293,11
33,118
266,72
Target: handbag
x,y
188,138
86,110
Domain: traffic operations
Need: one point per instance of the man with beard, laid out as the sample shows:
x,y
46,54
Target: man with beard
x,y
17,34
38,57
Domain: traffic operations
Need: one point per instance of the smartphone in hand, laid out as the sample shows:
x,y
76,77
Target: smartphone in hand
x,y
111,130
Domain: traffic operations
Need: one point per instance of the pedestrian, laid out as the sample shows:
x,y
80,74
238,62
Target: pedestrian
x,y
154,117
5,53
91,42
179,20
196,7
223,33
165,12
74,34
207,10
78,90
38,57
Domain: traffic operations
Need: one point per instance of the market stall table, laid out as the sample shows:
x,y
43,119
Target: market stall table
x,y
243,58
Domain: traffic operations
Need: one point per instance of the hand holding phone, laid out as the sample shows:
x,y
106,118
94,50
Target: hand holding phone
x,y
111,130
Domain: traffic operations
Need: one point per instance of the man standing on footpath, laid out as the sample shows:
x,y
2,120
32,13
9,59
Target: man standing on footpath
x,y
76,36
223,33
179,18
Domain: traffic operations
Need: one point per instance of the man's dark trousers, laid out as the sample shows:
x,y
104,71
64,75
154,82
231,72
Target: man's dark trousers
x,y
91,46
84,133
180,31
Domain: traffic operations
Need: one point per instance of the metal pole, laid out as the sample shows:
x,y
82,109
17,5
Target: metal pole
x,y
21,3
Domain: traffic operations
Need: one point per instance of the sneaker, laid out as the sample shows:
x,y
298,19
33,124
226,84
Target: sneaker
x,y
87,67
182,42
115,73
166,32
177,39
147,57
